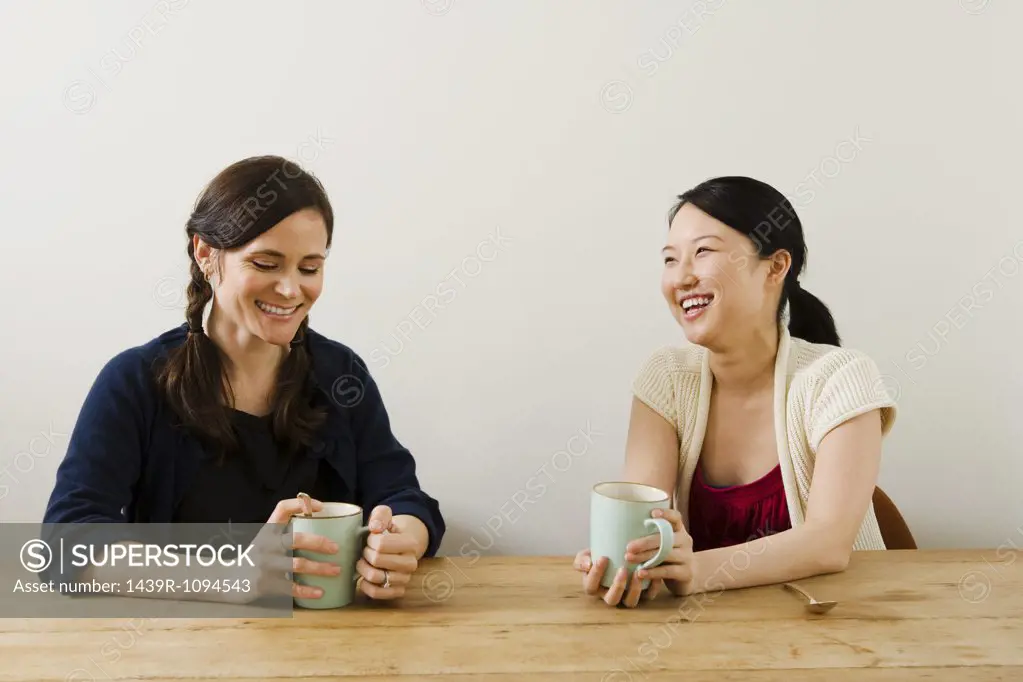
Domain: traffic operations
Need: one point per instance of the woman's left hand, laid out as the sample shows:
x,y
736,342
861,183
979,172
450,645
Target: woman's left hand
x,y
389,560
676,572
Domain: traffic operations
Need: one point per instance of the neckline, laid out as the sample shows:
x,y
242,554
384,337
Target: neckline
x,y
782,363
737,486
248,416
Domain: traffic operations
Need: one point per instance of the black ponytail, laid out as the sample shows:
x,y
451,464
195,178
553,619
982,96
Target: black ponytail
x,y
809,318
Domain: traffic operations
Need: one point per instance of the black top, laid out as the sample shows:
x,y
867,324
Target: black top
x,y
245,488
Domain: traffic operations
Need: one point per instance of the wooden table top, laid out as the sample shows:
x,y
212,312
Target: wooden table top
x,y
902,615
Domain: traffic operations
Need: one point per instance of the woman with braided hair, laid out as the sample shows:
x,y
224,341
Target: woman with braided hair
x,y
232,418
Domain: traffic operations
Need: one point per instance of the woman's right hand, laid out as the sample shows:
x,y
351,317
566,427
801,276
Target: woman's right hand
x,y
314,543
273,570
622,592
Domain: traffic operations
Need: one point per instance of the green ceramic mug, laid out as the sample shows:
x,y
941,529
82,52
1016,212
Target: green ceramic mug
x,y
619,514
342,523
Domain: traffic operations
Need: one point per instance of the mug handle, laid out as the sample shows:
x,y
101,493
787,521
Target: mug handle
x,y
667,541
361,533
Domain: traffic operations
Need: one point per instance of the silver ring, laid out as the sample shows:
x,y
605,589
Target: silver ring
x,y
387,579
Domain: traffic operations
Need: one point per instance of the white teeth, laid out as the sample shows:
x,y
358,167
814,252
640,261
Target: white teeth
x,y
696,300
275,310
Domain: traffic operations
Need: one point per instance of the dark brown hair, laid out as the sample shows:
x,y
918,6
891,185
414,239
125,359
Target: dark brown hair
x,y
242,202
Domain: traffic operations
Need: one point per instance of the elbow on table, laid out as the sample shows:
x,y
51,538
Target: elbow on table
x,y
833,559
826,547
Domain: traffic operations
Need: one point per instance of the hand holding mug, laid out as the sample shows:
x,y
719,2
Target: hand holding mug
x,y
273,567
282,514
637,542
675,571
388,560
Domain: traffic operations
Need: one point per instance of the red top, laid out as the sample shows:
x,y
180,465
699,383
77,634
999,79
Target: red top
x,y
732,515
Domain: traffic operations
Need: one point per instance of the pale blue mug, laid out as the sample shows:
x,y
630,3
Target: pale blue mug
x,y
342,523
619,514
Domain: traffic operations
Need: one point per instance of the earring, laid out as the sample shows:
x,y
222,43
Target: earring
x,y
209,275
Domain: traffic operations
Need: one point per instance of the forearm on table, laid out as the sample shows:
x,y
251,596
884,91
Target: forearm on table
x,y
412,526
793,554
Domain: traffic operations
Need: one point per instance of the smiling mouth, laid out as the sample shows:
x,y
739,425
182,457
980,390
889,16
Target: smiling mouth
x,y
693,306
276,310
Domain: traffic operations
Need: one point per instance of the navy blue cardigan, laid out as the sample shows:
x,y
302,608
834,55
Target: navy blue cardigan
x,y
128,461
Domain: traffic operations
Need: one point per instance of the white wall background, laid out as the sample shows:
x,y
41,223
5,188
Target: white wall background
x,y
567,128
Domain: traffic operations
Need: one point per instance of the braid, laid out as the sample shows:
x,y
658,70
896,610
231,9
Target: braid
x,y
193,375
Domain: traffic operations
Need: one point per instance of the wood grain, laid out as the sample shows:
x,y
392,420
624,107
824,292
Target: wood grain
x,y
910,615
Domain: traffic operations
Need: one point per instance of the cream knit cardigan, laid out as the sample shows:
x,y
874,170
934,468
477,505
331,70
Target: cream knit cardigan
x,y
816,388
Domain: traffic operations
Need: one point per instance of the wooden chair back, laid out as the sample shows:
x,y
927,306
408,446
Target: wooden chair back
x,y
894,530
